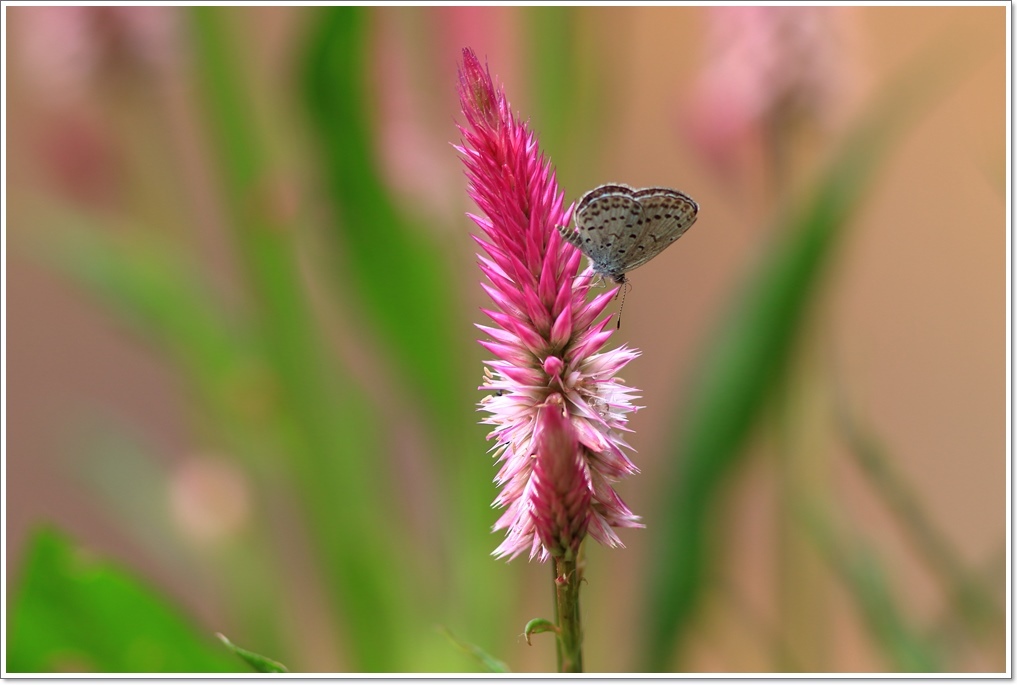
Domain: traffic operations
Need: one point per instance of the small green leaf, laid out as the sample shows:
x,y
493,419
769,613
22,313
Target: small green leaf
x,y
539,625
260,663
489,662
73,613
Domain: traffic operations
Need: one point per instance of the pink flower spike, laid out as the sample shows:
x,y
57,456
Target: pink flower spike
x,y
558,412
562,487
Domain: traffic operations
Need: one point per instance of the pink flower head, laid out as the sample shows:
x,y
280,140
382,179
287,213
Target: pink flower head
x,y
557,408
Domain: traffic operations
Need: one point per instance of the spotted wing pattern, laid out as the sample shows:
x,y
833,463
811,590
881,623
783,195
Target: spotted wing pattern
x,y
604,217
620,228
667,215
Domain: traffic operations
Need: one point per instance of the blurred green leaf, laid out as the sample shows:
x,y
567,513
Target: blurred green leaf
x,y
72,613
864,576
747,355
395,265
400,272
554,70
970,599
328,428
258,662
744,361
110,458
490,663
152,285
149,282
952,634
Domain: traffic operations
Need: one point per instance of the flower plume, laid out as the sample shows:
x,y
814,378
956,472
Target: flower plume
x,y
557,408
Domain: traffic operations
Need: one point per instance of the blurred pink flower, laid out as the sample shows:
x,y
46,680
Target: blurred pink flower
x,y
64,49
68,55
557,408
79,160
765,66
210,499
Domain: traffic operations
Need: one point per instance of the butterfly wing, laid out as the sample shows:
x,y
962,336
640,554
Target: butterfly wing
x,y
665,215
607,220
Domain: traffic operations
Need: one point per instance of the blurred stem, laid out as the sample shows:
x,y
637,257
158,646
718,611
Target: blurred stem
x,y
567,615
974,604
863,575
325,432
802,471
401,274
553,70
781,653
952,635
753,344
139,108
799,442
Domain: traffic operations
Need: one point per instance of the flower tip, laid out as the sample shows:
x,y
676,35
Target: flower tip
x,y
470,58
477,90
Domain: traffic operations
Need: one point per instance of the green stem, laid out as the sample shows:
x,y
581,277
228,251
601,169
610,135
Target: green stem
x,y
567,610
554,589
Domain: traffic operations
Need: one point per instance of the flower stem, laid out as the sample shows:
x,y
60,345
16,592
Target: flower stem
x,y
567,608
554,589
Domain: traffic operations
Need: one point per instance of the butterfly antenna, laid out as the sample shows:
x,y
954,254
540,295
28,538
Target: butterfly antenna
x,y
626,286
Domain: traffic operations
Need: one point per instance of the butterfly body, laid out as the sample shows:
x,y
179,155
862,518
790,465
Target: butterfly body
x,y
620,228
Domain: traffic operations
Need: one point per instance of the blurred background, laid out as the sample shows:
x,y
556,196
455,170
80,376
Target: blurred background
x,y
241,361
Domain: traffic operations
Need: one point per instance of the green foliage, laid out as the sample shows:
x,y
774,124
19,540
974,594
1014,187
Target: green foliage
x,y
555,75
746,357
324,423
867,582
490,663
400,270
972,601
394,263
258,662
72,613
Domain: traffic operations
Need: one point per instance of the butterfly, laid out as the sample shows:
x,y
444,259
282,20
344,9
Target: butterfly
x,y
620,228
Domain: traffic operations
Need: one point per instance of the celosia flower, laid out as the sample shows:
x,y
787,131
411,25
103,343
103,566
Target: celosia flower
x,y
557,408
